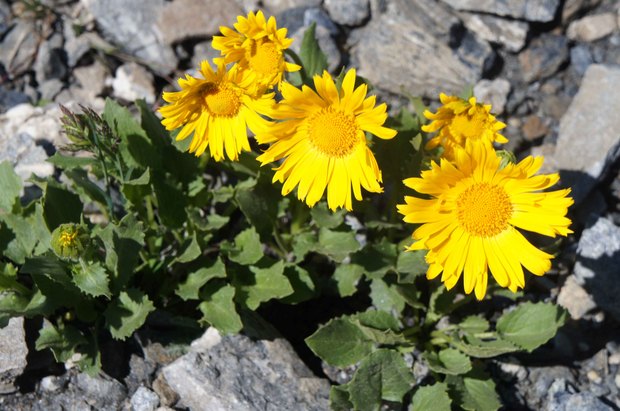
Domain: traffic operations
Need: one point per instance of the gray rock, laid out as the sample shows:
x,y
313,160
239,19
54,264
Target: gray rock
x,y
417,49
493,92
572,7
5,17
26,156
133,27
50,63
52,383
580,59
19,47
49,89
511,34
541,381
583,401
326,43
575,298
92,79
144,400
543,57
348,12
234,373
101,393
325,32
278,6
11,98
598,259
13,352
203,51
132,82
322,19
41,123
530,10
592,27
185,19
593,113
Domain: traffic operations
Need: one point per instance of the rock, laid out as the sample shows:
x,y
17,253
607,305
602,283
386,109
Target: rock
x,y
41,123
592,113
580,59
167,395
572,7
49,89
144,400
11,98
530,10
236,373
50,63
140,373
543,57
348,12
132,82
52,383
575,298
533,127
27,158
511,34
203,51
19,47
598,256
493,92
190,19
422,50
5,17
322,19
92,78
278,6
133,27
13,352
592,27
583,401
542,381
101,393
324,32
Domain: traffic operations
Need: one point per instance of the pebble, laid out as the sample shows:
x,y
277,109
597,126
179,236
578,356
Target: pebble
x,y
348,12
594,376
543,57
530,10
13,352
533,127
614,359
144,400
493,92
132,82
592,27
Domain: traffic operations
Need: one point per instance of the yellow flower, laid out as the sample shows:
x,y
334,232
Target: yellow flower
x,y
256,45
217,110
469,221
322,140
460,120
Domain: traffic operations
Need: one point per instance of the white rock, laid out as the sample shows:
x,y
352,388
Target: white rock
x,y
593,27
509,33
13,351
493,92
278,6
575,298
132,82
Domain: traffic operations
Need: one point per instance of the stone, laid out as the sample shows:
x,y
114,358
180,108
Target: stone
x,y
141,373
530,10
26,157
50,63
92,79
41,123
180,20
52,383
543,57
132,26
348,12
575,298
572,7
237,373
580,59
493,92
510,34
13,352
11,98
583,401
167,395
324,37
203,51
5,17
412,48
533,127
132,82
598,256
49,89
592,113
144,400
101,392
19,47
278,6
592,27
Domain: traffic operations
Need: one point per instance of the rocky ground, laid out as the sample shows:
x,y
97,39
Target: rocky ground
x,y
550,68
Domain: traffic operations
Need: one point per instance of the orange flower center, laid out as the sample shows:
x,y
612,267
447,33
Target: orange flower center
x,y
221,100
333,132
484,209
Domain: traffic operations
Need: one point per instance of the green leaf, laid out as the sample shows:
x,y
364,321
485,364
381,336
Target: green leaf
x,y
337,244
86,187
62,341
313,59
10,186
531,325
304,243
259,204
347,276
340,343
70,162
382,375
431,398
171,202
151,124
189,289
474,324
266,283
380,327
474,347
325,218
377,259
60,206
448,361
143,179
410,265
24,235
248,248
339,398
127,313
386,296
480,395
218,308
190,252
302,283
92,279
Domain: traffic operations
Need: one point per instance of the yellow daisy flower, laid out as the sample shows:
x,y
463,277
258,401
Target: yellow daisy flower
x,y
460,120
323,143
217,110
469,223
257,45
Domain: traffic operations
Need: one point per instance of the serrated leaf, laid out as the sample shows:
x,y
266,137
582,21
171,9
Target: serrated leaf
x,y
377,259
386,296
431,398
60,206
380,320
340,343
141,180
189,289
190,251
265,284
474,324
448,361
248,249
383,375
127,313
92,279
480,395
474,347
218,308
410,265
337,244
62,341
325,218
347,276
24,235
10,186
304,243
302,283
531,325
313,59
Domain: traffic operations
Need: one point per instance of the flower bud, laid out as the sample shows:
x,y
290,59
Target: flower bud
x,y
69,241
